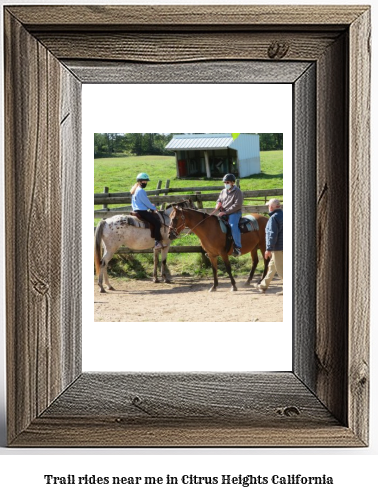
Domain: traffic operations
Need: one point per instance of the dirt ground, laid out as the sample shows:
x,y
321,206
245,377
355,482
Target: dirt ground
x,y
187,299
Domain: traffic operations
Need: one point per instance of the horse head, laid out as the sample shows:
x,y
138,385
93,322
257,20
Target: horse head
x,y
177,223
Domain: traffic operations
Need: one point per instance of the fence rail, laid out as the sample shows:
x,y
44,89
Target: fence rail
x,y
162,191
117,199
172,249
106,213
160,197
165,190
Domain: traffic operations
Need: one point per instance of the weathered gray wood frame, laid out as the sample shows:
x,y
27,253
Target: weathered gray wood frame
x,y
49,52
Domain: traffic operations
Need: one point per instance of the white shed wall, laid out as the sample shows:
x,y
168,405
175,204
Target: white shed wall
x,y
248,148
249,166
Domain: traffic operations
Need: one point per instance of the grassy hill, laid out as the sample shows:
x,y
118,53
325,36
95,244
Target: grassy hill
x,y
119,174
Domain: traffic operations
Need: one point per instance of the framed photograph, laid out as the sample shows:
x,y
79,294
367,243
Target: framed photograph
x,y
324,53
256,162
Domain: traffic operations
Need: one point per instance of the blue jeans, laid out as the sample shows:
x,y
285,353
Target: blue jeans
x,y
233,220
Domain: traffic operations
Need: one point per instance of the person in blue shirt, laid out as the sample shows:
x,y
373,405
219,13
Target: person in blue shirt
x,y
141,204
274,245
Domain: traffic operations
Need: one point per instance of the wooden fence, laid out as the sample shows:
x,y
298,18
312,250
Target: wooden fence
x,y
162,197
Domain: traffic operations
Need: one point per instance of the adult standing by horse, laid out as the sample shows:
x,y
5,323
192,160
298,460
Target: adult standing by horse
x,y
141,204
274,244
230,202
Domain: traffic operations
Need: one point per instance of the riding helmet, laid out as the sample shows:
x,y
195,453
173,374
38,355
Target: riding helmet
x,y
229,177
142,177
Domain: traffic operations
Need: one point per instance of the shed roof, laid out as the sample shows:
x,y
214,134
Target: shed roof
x,y
200,141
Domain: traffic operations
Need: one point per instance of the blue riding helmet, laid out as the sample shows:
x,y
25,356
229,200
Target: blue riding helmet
x,y
142,177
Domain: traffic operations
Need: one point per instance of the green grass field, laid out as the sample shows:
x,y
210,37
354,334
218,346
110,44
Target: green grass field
x,y
119,174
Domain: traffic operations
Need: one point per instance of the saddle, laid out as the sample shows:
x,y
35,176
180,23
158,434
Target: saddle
x,y
146,223
246,224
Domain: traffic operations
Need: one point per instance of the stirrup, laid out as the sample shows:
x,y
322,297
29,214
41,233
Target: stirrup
x,y
236,252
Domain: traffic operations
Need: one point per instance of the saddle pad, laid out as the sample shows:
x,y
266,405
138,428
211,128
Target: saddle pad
x,y
134,220
222,225
249,220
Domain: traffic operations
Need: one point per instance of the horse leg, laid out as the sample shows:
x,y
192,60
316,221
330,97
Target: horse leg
x,y
228,269
156,263
104,272
100,279
106,277
214,266
255,261
164,269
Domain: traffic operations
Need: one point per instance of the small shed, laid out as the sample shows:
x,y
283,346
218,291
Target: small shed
x,y
214,155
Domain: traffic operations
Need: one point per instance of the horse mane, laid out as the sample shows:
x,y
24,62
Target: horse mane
x,y
205,215
179,203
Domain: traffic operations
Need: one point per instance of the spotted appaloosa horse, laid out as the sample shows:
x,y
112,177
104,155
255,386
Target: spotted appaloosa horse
x,y
213,240
129,231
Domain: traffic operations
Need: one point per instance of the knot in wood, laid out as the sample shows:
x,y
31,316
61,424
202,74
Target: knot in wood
x,y
40,287
288,411
140,404
363,381
136,400
278,50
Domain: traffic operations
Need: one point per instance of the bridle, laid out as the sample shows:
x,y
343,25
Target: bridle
x,y
177,230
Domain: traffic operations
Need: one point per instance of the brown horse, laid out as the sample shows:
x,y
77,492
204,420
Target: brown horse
x,y
213,240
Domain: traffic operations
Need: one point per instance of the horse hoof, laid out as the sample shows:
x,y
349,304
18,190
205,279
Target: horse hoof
x,y
213,289
234,289
167,281
102,291
246,284
111,288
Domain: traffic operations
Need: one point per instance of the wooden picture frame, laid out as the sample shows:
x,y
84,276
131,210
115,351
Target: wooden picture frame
x,y
50,51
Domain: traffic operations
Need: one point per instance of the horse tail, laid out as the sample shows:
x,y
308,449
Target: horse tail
x,y
97,244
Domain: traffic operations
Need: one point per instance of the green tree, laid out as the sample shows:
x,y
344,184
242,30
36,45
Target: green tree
x,y
271,142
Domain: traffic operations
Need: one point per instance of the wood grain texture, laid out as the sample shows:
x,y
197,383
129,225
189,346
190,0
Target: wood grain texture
x,y
144,17
332,230
71,265
322,403
181,47
170,396
192,409
359,241
100,432
200,72
34,240
34,268
304,228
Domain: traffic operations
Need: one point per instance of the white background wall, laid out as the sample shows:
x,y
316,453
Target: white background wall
x,y
206,349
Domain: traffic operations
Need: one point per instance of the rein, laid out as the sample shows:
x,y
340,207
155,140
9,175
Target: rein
x,y
162,220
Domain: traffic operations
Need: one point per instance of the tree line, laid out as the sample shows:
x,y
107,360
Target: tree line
x,y
108,144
